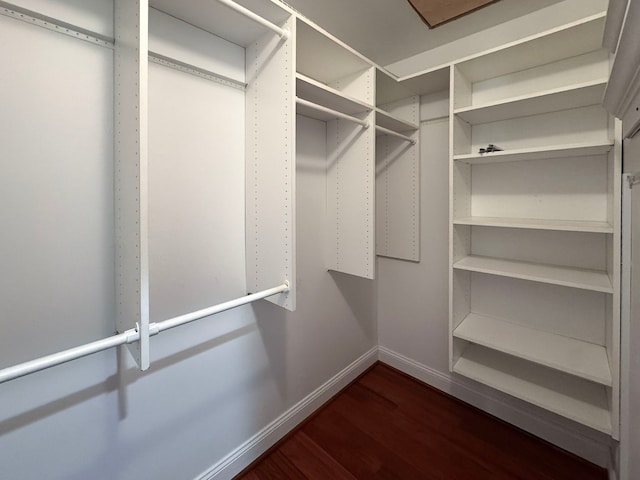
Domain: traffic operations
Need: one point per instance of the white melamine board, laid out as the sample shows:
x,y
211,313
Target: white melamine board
x,y
539,153
317,92
360,85
270,166
571,312
574,39
577,399
397,198
569,249
569,355
587,125
428,83
180,41
91,15
561,74
216,18
56,192
573,96
536,224
322,58
350,221
392,122
598,281
131,182
575,189
196,195
388,89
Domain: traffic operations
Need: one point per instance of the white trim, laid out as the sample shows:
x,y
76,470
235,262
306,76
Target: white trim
x,y
241,457
524,417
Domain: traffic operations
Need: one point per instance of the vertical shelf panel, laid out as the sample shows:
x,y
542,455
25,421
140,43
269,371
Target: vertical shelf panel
x,y
132,255
270,165
398,189
351,197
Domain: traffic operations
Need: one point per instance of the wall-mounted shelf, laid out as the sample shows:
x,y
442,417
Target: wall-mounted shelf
x,y
581,95
537,224
393,122
569,355
540,153
317,92
556,275
566,395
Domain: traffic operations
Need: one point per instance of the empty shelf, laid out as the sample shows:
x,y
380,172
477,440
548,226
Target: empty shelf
x,y
391,122
582,95
537,224
523,154
574,398
317,92
569,355
594,280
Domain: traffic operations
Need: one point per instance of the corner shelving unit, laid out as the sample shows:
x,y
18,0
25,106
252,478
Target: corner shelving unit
x,y
335,84
534,279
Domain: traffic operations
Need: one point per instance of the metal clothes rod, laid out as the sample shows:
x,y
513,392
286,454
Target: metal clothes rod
x,y
129,336
395,134
331,111
255,17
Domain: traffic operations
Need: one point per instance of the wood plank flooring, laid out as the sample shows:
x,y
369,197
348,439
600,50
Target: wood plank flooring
x,y
389,426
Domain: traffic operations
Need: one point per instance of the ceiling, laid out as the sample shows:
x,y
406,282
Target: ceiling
x,y
387,31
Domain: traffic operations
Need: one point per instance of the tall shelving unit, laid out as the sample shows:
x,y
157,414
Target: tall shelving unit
x,y
337,85
534,279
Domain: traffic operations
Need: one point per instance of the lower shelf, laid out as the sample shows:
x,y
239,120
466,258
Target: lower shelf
x,y
571,397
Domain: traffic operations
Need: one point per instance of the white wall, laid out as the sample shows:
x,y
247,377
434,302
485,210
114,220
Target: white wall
x,y
632,165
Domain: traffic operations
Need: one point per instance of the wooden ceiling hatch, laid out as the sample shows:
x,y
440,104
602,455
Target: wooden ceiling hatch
x,y
437,12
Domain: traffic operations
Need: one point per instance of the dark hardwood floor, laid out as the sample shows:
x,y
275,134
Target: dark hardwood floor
x,y
389,426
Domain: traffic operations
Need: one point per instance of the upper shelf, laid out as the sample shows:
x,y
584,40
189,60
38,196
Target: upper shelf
x,y
593,280
575,96
568,41
218,19
392,122
324,58
537,224
538,153
319,93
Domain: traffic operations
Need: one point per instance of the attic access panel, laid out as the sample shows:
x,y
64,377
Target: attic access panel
x,y
437,12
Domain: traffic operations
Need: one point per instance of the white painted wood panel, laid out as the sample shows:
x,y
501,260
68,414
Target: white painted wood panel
x,y
316,92
536,223
565,354
563,394
597,281
571,312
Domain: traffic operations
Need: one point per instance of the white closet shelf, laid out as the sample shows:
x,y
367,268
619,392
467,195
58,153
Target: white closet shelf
x,y
317,92
593,280
324,57
392,122
222,21
574,96
537,224
539,153
566,395
569,355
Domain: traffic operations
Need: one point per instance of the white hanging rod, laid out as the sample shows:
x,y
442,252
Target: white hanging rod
x,y
256,18
387,131
331,111
129,336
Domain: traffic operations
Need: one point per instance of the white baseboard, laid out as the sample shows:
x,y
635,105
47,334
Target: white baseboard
x,y
590,447
241,457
